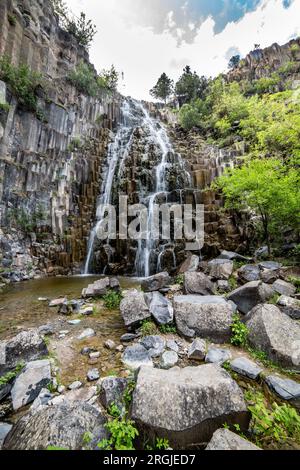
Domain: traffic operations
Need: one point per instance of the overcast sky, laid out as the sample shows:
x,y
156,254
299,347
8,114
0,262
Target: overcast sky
x,y
144,38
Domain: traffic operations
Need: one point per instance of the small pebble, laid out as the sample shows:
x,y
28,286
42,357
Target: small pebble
x,y
93,375
75,385
109,344
94,355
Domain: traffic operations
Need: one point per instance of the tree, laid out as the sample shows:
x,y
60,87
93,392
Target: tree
x,y
82,29
269,189
108,79
234,61
190,86
163,88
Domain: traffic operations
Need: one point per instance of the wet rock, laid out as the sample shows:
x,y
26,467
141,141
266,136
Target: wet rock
x,y
34,377
169,403
250,295
220,269
61,425
169,359
88,333
276,334
136,356
112,391
197,350
58,302
114,284
128,337
197,283
289,306
172,345
191,264
244,366
217,356
231,255
286,389
26,346
154,344
4,391
249,273
206,317
284,288
93,375
5,428
160,308
156,282
133,308
223,439
75,385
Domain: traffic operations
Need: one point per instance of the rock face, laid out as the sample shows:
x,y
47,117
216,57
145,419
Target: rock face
x,y
26,346
30,382
61,425
133,308
206,317
181,404
160,308
251,294
276,334
197,283
289,306
156,282
223,439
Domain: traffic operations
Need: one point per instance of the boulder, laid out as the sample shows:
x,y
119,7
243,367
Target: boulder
x,y
191,264
160,308
133,308
42,399
82,394
245,367
154,344
136,356
156,282
249,273
169,359
75,385
220,268
62,425
270,265
286,389
100,288
262,252
250,295
222,286
26,346
197,350
5,428
35,376
231,255
181,405
289,306
58,302
223,439
203,316
172,345
128,337
217,356
276,334
112,391
197,283
269,276
284,288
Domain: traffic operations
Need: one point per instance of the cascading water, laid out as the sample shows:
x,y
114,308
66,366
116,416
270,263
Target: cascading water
x,y
135,116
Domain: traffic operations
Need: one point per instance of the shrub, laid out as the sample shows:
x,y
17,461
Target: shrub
x,y
12,19
82,29
165,329
84,79
122,435
112,300
239,332
148,328
10,376
4,107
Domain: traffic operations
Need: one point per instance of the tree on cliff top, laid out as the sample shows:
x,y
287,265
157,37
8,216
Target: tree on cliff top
x,y
190,86
234,61
163,88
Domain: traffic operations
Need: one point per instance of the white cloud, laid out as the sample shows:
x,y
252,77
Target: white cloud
x,y
143,55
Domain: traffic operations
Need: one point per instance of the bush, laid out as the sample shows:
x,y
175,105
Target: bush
x,y
112,300
239,332
122,435
4,107
82,29
148,328
84,79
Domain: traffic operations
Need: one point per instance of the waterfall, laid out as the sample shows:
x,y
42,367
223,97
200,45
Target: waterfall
x,y
135,116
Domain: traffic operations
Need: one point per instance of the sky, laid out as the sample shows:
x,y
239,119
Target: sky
x,y
144,38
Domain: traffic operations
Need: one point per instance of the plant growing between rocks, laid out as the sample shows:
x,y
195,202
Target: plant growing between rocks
x,y
239,332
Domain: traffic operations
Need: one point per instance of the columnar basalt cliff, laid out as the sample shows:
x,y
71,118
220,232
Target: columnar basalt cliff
x,y
51,161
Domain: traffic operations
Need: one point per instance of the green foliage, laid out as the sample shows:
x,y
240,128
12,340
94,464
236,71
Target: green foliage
x,y
107,80
267,84
295,281
163,88
4,107
22,81
114,411
234,61
75,144
273,300
190,86
112,300
56,448
127,395
84,79
10,376
148,328
11,19
232,283
82,29
179,279
166,329
272,422
239,332
122,435
25,220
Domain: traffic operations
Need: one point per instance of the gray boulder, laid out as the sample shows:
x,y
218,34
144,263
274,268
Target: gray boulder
x,y
160,308
197,350
62,425
270,265
197,283
156,282
203,316
154,344
181,405
112,391
169,359
231,255
286,389
276,334
34,377
223,439
284,288
93,375
136,356
249,272
191,264
26,346
217,356
133,308
220,269
100,287
243,366
289,306
250,295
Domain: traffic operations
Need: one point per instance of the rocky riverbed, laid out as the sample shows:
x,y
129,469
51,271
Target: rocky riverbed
x,y
169,353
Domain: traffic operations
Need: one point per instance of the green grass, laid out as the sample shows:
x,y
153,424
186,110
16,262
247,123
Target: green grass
x,y
10,376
